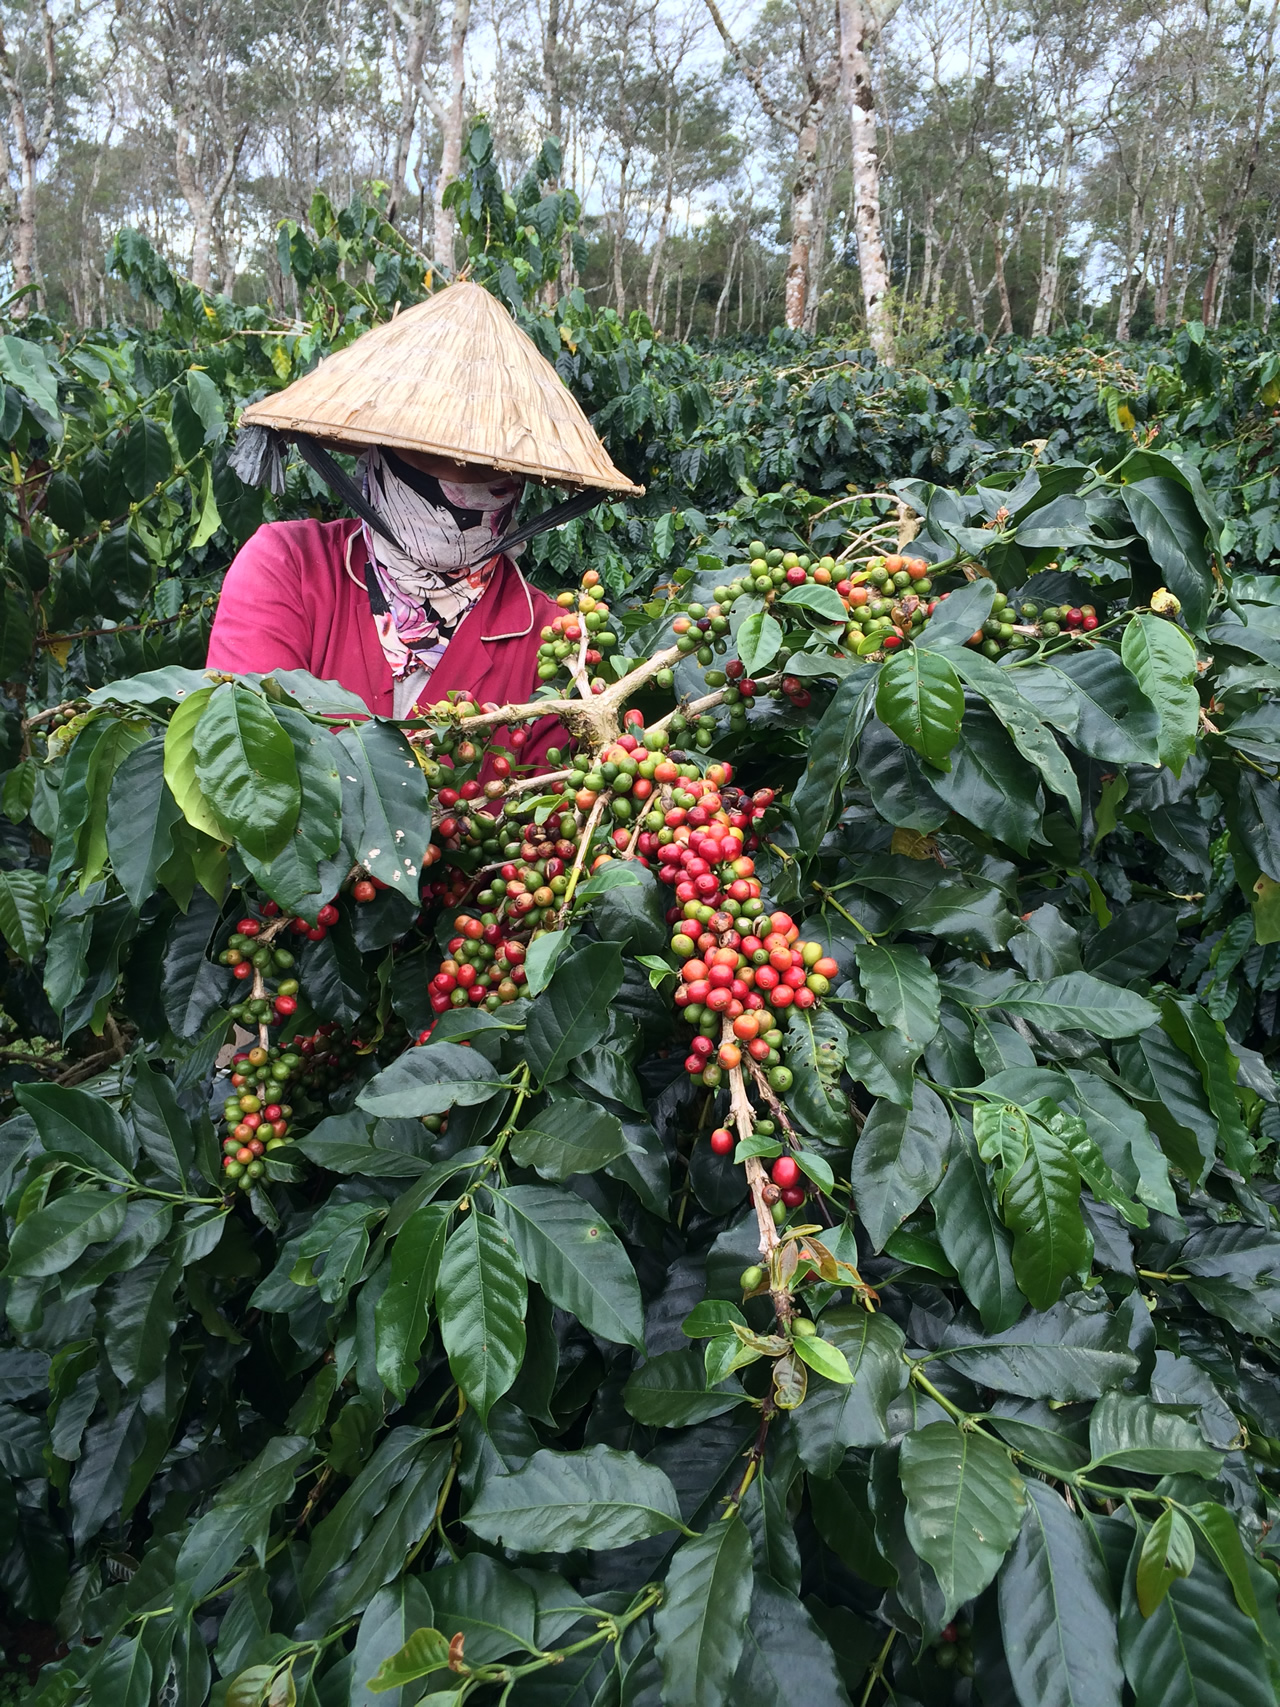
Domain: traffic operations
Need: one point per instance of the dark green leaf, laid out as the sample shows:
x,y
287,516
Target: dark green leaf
x,y
597,1498
247,771
702,1619
569,1136
898,1160
920,698
1056,1611
572,1014
576,1258
964,1506
670,1391
481,1297
401,1313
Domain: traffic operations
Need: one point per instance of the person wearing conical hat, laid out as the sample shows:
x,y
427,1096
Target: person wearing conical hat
x,y
451,410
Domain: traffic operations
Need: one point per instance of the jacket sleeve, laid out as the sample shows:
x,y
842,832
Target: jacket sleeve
x,y
261,622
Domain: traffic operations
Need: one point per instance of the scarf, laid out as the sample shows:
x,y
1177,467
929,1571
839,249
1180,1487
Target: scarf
x,y
429,587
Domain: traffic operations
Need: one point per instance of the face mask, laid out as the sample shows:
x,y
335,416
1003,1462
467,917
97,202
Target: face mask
x,y
444,528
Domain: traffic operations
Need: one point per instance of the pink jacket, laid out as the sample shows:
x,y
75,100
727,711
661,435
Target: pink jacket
x,y
288,602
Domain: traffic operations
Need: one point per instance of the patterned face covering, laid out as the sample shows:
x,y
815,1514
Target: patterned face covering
x,y
428,586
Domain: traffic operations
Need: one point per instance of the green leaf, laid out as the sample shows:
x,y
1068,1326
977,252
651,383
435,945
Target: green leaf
x,y
1077,1001
597,1498
296,877
1041,1207
975,1240
572,1014
401,1313
25,365
19,791
246,770
758,639
569,1136
76,1123
239,1518
1168,1552
425,1651
180,765
391,1617
786,1659
429,1081
481,1298
141,813
122,1676
964,1506
50,1239
816,797
1165,514
961,613
394,830
898,1160
990,783
542,958
827,1360
836,1417
348,1526
1029,733
921,700
901,989
823,601
1197,1646
1218,1527
702,1619
1163,661
23,919
1059,1353
1056,1611
670,1391
1098,705
576,1258
1131,1432
148,460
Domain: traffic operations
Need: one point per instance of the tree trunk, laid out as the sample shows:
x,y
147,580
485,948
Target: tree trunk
x,y
619,230
409,75
813,296
1184,272
723,298
858,28
1167,264
1002,284
803,212
31,149
451,117
1129,290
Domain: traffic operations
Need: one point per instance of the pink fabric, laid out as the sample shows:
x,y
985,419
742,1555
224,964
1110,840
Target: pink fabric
x,y
288,603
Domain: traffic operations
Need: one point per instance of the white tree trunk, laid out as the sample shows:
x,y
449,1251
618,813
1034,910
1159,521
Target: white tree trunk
x,y
858,28
451,115
804,202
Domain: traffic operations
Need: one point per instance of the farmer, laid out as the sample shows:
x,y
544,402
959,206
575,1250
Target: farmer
x,y
452,410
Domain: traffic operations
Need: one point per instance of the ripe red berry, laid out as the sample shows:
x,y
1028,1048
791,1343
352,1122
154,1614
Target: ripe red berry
x,y
248,927
785,1172
722,1141
243,969
328,914
286,1005
363,890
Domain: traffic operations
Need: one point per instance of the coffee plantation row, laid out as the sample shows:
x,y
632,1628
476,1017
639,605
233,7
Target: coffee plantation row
x,y
776,1205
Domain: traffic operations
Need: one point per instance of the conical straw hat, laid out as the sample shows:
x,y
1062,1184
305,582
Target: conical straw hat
x,y
454,376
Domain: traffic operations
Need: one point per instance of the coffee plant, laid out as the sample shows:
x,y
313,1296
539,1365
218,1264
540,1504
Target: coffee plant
x,y
773,1200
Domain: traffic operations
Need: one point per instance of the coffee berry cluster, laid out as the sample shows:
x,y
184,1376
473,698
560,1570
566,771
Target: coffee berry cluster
x,y
575,641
